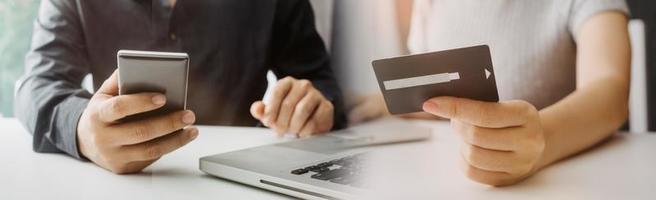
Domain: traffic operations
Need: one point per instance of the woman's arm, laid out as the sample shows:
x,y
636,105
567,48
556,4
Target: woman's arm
x,y
505,142
599,106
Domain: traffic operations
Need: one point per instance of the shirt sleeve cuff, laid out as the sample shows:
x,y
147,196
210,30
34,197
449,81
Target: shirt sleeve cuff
x,y
69,113
334,95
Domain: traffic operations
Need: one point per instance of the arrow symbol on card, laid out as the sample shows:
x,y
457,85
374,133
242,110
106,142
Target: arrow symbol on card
x,y
487,74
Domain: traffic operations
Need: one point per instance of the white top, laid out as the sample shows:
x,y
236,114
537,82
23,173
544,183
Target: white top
x,y
619,169
532,42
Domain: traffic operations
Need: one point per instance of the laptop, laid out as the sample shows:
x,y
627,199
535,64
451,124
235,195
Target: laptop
x,y
320,167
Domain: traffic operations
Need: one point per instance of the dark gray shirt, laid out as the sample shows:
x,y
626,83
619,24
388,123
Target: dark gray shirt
x,y
231,43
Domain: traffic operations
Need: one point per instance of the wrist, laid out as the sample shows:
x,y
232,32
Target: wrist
x,y
82,148
549,153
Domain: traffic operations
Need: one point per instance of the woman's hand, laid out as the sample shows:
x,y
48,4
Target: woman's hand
x,y
365,108
502,142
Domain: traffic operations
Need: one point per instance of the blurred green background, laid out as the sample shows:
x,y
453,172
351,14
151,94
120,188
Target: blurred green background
x,y
16,20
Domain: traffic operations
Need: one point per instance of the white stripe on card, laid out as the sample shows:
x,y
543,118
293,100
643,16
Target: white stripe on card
x,y
421,80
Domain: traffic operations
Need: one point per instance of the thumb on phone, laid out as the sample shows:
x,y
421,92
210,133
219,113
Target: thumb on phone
x,y
110,86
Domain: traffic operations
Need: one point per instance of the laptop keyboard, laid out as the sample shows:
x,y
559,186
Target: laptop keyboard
x,y
343,171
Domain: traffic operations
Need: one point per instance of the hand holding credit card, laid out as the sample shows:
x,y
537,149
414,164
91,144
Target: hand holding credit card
x,y
408,81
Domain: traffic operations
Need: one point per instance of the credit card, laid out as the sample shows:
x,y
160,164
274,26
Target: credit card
x,y
408,81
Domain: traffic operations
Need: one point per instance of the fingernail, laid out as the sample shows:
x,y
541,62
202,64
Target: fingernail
x,y
188,118
269,122
265,122
280,132
159,99
193,135
429,106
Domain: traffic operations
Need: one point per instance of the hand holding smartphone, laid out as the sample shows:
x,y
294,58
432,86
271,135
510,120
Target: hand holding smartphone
x,y
161,72
138,114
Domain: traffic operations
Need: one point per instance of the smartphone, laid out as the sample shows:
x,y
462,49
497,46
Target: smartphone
x,y
149,71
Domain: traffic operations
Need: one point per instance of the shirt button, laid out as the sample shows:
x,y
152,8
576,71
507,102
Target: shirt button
x,y
172,36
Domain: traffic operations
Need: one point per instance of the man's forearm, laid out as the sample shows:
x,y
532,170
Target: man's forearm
x,y
50,100
584,118
50,111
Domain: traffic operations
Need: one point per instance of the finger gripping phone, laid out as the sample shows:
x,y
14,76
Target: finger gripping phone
x,y
149,71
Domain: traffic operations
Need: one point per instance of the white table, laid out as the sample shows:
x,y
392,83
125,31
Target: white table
x,y
623,168
25,174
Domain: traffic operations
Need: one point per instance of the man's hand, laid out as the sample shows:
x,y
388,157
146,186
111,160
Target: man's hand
x,y
131,146
296,107
503,142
